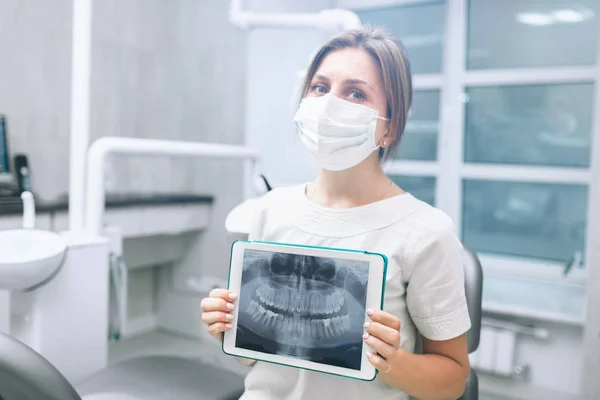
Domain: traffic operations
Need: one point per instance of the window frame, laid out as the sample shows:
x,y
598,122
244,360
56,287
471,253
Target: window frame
x,y
450,169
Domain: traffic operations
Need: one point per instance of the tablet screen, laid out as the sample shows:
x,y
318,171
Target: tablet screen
x,y
302,306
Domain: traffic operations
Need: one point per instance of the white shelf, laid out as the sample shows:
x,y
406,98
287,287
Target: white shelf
x,y
552,302
144,221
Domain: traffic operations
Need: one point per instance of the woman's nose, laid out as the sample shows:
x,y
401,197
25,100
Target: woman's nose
x,y
336,91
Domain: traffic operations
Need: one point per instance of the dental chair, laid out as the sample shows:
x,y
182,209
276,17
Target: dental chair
x,y
473,290
26,375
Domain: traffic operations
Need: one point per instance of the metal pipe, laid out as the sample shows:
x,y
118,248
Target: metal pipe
x,y
101,148
80,109
333,19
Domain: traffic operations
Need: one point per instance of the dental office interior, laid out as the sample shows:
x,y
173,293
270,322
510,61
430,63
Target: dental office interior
x,y
135,136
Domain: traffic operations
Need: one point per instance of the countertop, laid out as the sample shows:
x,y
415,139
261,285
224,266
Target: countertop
x,y
14,205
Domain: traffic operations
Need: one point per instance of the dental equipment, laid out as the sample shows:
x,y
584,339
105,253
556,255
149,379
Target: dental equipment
x,y
81,70
102,147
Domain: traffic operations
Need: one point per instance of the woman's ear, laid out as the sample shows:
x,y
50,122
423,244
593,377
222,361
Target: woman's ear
x,y
387,139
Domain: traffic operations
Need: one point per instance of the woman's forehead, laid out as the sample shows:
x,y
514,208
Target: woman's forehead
x,y
350,63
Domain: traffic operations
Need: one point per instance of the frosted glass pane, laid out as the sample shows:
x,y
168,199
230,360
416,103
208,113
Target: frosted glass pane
x,y
422,187
538,220
420,138
536,125
532,33
420,27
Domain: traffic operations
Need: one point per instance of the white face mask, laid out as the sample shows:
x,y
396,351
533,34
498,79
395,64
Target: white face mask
x,y
340,134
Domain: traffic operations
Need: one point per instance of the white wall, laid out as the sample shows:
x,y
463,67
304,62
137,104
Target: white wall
x,y
273,58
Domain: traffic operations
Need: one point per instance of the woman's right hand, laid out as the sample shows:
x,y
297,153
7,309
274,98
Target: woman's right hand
x,y
216,311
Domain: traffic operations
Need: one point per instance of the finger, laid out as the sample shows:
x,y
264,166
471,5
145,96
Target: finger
x,y
384,318
224,294
216,316
378,362
379,345
218,327
385,333
216,304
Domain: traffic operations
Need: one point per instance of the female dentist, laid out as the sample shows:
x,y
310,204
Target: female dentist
x,y
355,102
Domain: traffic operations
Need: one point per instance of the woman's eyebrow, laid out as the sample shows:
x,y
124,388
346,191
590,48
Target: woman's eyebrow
x,y
357,82
351,81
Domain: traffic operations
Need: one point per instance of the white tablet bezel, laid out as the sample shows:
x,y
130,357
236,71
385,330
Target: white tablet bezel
x,y
374,300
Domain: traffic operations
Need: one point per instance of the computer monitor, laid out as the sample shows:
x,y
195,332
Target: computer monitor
x,y
5,169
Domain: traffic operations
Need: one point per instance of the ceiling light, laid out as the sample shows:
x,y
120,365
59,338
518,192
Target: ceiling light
x,y
534,19
567,16
572,16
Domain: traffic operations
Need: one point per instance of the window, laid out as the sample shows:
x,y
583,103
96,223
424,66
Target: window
x,y
422,187
421,28
538,220
535,124
503,124
420,138
523,168
531,33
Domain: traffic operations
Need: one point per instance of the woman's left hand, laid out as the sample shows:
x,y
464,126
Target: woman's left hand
x,y
382,333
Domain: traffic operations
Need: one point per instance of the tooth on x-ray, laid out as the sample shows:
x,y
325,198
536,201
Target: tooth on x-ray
x,y
319,328
290,300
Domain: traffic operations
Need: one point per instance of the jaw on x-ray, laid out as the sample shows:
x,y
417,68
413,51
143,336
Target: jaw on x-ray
x,y
303,306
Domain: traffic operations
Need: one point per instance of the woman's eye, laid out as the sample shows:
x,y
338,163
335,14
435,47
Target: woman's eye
x,y
319,89
356,95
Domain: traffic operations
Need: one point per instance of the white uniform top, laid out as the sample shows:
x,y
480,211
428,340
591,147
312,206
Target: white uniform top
x,y
424,282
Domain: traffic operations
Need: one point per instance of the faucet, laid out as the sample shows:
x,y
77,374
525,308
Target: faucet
x,y
28,210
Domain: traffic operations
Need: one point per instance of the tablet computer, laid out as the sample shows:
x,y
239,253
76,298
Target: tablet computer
x,y
304,306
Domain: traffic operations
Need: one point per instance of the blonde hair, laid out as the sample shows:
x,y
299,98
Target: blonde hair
x,y
394,67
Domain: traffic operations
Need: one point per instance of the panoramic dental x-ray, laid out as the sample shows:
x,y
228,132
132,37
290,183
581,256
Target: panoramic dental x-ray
x,y
303,306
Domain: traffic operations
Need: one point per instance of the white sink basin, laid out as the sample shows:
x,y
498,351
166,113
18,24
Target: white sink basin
x,y
28,257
